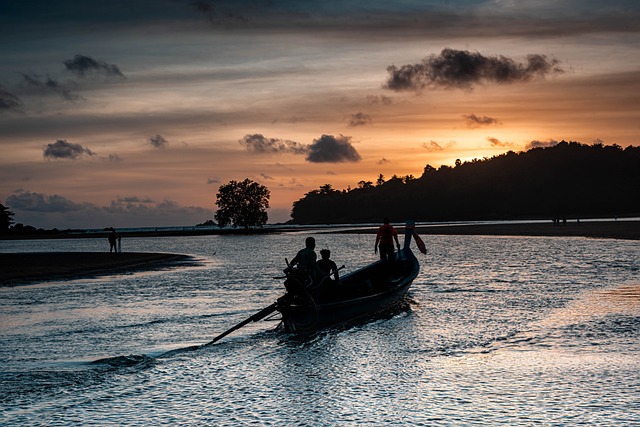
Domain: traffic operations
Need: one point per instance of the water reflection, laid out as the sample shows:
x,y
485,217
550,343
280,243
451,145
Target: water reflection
x,y
501,331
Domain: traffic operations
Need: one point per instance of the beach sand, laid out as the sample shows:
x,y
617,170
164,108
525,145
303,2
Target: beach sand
x,y
19,268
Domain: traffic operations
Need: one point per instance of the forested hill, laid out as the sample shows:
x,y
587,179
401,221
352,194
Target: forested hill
x,y
570,180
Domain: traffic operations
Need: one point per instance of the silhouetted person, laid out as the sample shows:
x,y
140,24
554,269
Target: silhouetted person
x,y
306,258
113,238
327,266
384,241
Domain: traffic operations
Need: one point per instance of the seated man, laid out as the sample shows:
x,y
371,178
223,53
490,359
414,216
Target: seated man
x,y
327,266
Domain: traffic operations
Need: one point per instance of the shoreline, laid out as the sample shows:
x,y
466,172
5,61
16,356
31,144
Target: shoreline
x,y
32,267
608,229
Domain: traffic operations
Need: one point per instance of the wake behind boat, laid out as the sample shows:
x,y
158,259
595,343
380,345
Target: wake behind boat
x,y
371,291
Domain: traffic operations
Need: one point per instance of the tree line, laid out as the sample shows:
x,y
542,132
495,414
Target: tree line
x,y
569,179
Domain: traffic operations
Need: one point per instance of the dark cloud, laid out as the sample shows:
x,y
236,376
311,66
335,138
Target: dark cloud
x,y
8,101
540,144
384,161
359,119
462,69
114,158
49,86
213,180
37,202
158,141
474,121
267,177
61,149
82,65
331,149
258,143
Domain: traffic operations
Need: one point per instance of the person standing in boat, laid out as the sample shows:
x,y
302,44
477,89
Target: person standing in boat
x,y
384,241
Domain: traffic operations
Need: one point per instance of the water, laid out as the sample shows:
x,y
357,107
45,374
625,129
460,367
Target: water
x,y
501,331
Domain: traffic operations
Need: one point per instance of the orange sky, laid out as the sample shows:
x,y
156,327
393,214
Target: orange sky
x,y
138,121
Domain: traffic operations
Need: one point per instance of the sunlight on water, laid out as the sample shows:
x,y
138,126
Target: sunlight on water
x,y
500,331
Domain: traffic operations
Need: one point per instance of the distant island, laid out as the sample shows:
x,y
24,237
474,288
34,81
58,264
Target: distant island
x,y
568,180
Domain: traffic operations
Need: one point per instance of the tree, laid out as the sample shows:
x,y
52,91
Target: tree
x,y
242,204
6,218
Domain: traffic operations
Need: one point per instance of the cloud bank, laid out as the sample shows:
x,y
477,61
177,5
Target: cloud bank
x,y
56,211
462,69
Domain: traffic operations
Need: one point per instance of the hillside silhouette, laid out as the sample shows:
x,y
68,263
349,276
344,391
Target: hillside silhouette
x,y
568,180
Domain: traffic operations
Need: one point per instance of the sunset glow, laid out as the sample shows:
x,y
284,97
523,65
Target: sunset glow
x,y
136,115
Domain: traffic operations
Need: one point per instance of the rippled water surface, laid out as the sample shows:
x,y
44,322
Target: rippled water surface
x,y
500,331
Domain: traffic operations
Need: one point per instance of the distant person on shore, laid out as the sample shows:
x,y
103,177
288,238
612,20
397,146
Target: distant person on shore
x,y
384,241
113,239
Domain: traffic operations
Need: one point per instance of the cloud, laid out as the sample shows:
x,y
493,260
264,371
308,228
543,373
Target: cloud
x,y
8,101
331,149
258,143
213,180
495,142
49,86
384,161
56,211
474,121
82,65
158,141
541,144
461,69
359,119
62,149
267,177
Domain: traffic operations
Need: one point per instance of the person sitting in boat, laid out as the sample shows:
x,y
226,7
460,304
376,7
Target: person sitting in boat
x,y
384,241
327,266
305,260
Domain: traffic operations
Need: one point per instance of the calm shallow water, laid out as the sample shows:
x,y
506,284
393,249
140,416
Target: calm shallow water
x,y
501,331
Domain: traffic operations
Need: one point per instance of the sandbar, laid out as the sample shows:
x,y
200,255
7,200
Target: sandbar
x,y
29,267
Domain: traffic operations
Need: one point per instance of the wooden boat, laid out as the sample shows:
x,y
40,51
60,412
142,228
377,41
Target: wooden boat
x,y
371,291
368,292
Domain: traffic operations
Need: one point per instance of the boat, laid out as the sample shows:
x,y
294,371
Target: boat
x,y
369,292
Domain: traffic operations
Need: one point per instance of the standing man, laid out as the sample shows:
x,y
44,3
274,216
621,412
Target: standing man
x,y
112,241
384,241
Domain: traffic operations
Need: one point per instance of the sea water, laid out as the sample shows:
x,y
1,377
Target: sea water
x,y
499,331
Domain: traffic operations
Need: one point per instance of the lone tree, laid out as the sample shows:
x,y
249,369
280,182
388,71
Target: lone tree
x,y
242,204
6,218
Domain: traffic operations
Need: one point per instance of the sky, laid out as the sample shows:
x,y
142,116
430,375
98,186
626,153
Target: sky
x,y
133,113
